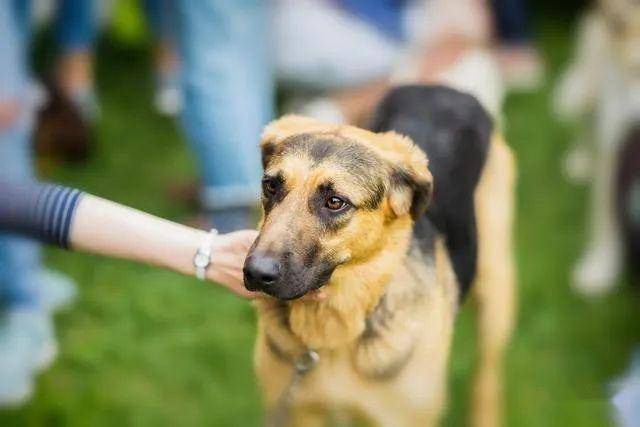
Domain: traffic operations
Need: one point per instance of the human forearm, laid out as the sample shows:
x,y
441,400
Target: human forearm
x,y
71,219
106,228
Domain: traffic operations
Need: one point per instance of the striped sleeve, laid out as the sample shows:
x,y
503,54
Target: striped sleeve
x,y
41,211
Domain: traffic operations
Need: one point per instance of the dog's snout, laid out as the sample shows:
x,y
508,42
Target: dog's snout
x,y
261,272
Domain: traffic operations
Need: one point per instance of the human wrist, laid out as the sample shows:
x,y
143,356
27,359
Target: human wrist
x,y
178,256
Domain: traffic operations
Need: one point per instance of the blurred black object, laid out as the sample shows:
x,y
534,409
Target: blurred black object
x,y
628,197
62,134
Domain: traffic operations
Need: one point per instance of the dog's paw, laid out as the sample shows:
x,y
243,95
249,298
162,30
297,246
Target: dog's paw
x,y
597,272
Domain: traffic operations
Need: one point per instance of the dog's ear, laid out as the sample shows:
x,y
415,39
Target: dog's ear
x,y
279,130
410,182
410,192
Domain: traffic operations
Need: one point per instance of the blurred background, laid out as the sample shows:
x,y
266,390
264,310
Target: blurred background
x,y
161,109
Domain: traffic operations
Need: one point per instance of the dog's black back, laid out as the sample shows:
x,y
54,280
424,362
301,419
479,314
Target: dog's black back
x,y
628,197
454,130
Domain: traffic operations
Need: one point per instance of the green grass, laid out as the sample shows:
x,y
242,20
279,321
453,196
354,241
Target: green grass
x,y
145,347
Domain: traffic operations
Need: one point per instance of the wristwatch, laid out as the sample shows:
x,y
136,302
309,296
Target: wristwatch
x,y
202,258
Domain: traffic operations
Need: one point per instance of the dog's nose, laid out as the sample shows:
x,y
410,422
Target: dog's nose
x,y
261,272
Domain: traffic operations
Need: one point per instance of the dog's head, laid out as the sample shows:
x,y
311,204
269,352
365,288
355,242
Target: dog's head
x,y
329,193
623,21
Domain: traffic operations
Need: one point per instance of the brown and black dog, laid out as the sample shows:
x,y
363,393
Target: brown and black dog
x,y
344,217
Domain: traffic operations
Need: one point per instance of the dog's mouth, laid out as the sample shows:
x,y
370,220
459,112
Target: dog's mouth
x,y
316,293
287,277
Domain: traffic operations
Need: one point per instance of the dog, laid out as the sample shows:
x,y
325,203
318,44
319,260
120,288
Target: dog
x,y
603,81
363,285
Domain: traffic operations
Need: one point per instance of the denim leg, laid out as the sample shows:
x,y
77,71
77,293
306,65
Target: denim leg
x,y
228,91
75,24
512,21
19,257
22,17
161,17
14,77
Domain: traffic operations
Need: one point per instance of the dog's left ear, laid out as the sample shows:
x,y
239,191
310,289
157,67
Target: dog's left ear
x,y
410,182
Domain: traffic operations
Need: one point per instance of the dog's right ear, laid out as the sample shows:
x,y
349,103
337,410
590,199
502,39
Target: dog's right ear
x,y
279,130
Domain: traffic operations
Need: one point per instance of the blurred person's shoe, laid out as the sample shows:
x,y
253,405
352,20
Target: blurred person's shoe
x,y
16,369
597,271
27,345
36,326
62,133
86,102
167,99
522,67
55,291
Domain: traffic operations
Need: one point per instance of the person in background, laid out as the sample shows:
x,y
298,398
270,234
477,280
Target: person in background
x,y
212,68
228,98
28,292
521,63
342,56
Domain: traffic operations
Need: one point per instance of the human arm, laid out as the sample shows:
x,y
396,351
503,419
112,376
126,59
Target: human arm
x,y
107,228
70,219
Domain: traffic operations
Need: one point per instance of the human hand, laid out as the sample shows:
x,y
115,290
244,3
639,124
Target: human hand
x,y
228,253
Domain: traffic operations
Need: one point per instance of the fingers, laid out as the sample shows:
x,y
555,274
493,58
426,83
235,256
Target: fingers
x,y
229,252
244,238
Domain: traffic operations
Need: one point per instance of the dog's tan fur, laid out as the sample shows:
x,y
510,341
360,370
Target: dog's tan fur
x,y
384,331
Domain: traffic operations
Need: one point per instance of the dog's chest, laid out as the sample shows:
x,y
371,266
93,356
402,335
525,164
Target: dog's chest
x,y
402,354
408,332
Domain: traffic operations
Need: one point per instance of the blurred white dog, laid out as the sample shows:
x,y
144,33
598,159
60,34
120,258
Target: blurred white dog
x,y
604,81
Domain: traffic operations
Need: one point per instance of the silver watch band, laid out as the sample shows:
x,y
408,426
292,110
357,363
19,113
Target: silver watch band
x,y
202,258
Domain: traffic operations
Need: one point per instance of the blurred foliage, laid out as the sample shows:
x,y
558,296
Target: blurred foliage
x,y
128,24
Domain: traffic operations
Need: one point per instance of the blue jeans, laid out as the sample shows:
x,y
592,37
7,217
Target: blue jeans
x,y
228,89
75,22
19,258
161,18
512,21
75,25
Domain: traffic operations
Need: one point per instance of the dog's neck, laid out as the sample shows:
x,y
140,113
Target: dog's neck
x,y
354,290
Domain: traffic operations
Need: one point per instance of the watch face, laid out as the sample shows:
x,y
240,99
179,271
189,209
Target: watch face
x,y
201,260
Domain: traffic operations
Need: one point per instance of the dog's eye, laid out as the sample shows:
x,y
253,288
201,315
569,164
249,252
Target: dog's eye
x,y
335,204
270,186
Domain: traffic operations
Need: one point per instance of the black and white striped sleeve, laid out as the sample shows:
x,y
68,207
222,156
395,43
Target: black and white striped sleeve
x,y
42,211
